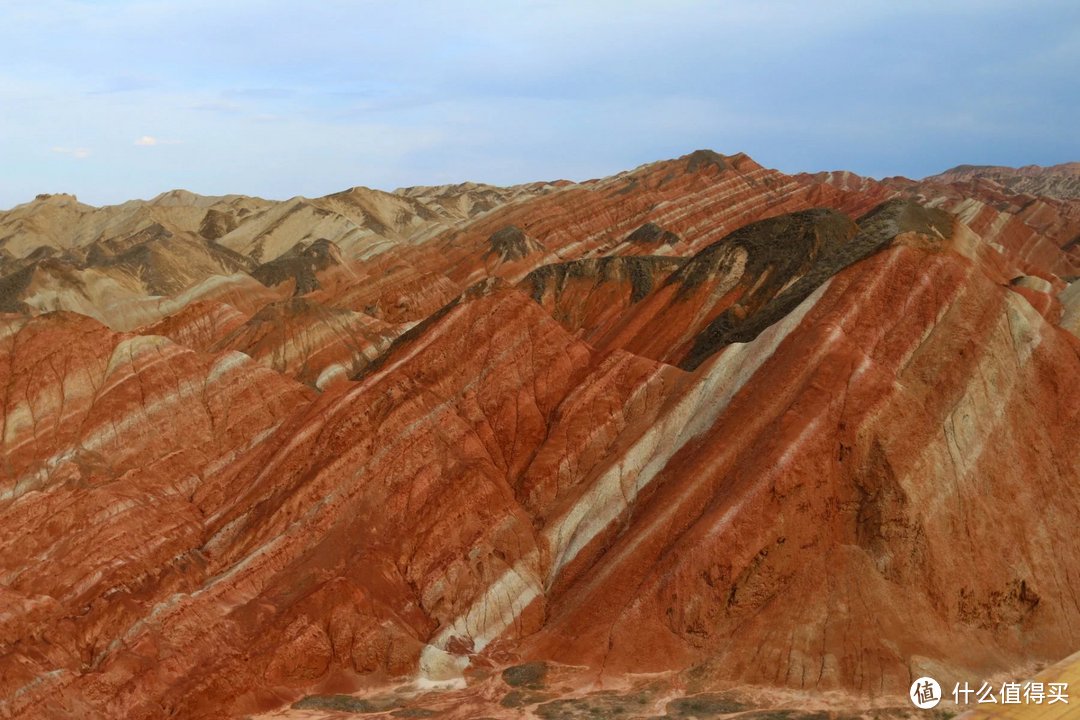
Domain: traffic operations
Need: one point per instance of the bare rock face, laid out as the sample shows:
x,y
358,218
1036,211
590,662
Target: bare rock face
x,y
310,342
511,243
1056,181
119,263
216,224
1070,301
301,265
591,294
717,438
651,233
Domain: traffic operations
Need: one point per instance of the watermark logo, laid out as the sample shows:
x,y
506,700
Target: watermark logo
x,y
925,693
1012,693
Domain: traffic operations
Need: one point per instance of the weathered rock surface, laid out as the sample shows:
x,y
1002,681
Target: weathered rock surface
x,y
118,263
651,233
313,343
762,435
1057,181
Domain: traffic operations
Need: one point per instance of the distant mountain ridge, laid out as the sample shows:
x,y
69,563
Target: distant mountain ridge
x,y
1067,168
1058,181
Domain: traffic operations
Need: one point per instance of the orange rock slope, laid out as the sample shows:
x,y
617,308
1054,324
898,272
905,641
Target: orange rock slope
x,y
746,430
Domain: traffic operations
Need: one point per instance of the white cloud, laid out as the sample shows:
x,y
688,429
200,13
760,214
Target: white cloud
x,y
554,88
151,141
77,153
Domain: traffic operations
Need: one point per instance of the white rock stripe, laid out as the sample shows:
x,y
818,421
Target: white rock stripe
x,y
616,488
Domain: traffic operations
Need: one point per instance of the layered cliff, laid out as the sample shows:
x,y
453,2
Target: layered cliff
x,y
758,436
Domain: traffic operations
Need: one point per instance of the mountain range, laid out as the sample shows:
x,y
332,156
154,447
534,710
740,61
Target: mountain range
x,y
699,437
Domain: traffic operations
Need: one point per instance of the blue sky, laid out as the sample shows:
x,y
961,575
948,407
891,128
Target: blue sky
x,y
117,99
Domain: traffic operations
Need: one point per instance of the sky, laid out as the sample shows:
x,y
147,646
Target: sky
x,y
119,99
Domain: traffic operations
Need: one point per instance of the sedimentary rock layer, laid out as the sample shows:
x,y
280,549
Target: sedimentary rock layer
x,y
702,419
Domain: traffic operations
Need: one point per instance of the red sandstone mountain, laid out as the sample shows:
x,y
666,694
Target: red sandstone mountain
x,y
764,436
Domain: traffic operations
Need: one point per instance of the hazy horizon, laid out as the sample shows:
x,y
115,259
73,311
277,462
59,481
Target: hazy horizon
x,y
124,99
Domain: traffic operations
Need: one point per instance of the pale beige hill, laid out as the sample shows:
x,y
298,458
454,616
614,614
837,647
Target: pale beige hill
x,y
106,278
185,198
1056,181
51,221
272,231
132,263
165,264
118,299
470,199
364,222
361,221
1068,168
62,223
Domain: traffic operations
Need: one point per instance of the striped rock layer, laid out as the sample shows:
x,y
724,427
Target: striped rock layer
x,y
701,418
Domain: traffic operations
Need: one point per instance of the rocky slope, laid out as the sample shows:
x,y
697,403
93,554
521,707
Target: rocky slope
x,y
131,264
1057,181
708,436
